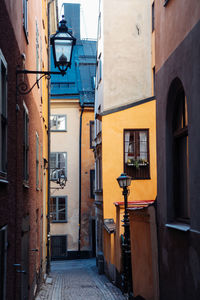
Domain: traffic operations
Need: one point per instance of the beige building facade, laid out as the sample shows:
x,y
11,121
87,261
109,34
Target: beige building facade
x,y
65,141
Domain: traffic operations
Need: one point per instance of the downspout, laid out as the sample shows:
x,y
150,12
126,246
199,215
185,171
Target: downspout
x,y
80,169
49,142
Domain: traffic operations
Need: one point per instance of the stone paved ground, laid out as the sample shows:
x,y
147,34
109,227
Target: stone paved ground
x,y
77,280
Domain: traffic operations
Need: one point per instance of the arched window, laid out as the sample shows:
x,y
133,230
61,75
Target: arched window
x,y
179,171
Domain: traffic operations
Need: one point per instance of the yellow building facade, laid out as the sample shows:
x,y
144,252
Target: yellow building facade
x,y
125,112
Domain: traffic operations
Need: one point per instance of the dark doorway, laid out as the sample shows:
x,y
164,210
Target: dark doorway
x,y
58,246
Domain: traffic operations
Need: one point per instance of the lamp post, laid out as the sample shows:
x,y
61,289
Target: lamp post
x,y
124,182
62,45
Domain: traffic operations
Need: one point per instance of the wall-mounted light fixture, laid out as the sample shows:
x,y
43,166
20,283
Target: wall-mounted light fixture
x,y
62,45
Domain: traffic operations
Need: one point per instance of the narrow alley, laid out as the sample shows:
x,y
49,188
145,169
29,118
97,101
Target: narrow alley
x,y
77,280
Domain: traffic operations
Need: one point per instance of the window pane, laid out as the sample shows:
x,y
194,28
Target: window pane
x,y
92,135
143,145
53,208
53,121
61,123
62,157
61,209
53,160
181,183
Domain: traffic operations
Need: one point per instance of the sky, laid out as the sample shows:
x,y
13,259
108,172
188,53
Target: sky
x,y
89,16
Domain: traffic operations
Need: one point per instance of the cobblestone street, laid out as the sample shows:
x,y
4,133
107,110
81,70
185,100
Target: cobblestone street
x,y
77,280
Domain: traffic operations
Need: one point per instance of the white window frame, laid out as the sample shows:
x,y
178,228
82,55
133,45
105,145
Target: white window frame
x,y
3,117
59,115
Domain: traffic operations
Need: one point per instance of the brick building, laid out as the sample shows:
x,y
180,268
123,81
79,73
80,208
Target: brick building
x,y
23,130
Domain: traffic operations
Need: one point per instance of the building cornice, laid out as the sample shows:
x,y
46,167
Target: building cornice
x,y
124,107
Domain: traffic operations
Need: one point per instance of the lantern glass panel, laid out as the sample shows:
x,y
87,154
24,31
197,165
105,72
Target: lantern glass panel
x,y
63,49
124,180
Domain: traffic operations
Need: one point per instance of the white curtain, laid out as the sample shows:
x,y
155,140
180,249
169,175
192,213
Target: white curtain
x,y
127,141
143,145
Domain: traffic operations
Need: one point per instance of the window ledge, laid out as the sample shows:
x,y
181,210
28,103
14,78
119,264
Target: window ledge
x,y
64,130
178,226
26,185
57,221
3,181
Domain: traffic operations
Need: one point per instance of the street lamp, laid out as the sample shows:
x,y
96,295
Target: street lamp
x,y
62,45
124,182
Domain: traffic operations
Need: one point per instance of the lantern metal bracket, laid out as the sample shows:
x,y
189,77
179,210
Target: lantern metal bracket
x,y
22,87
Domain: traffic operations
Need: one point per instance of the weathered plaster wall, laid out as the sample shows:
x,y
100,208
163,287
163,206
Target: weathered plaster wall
x,y
68,142
87,206
170,30
127,52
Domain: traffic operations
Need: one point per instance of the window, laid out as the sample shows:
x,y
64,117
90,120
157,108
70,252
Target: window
x,y
92,141
3,116
26,144
37,53
99,71
136,153
180,158
58,246
177,158
58,123
37,161
58,209
25,17
98,176
3,260
58,165
153,17
92,183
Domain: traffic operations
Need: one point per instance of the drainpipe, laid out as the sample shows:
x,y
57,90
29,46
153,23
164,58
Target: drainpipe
x,y
80,142
49,142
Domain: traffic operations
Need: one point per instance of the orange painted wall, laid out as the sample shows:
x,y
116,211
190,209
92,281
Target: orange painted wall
x,y
87,207
113,125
